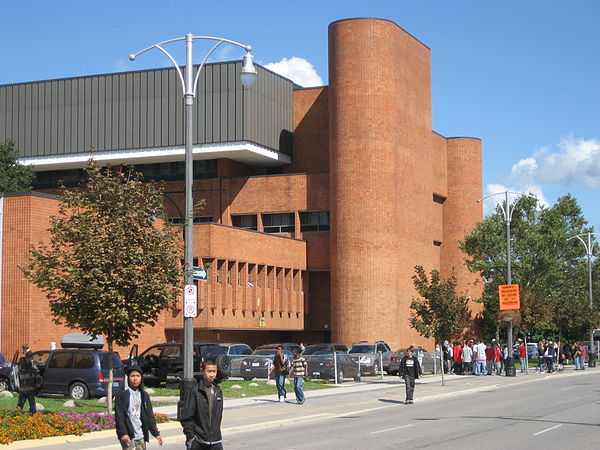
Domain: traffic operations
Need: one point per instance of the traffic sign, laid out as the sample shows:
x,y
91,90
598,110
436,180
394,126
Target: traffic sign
x,y
190,306
200,274
509,296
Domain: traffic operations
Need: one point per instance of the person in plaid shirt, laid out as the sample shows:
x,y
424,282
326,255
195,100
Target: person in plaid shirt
x,y
299,367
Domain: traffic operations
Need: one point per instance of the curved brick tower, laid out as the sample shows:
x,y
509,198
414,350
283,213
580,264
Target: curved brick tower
x,y
381,177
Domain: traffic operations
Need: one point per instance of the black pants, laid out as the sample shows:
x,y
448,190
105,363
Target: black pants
x,y
199,446
29,396
410,386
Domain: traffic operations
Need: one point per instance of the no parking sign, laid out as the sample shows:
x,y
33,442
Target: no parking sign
x,y
190,307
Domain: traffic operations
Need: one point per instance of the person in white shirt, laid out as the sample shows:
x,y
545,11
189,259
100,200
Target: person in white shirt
x,y
467,359
480,358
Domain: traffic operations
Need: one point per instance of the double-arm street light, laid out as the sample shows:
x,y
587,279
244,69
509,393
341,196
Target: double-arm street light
x,y
507,205
589,248
188,85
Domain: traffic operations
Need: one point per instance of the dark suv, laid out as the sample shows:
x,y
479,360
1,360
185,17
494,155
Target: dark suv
x,y
164,362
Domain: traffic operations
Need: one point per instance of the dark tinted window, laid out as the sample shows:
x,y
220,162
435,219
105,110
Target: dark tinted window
x,y
116,360
171,352
247,221
317,348
84,361
278,223
314,221
212,351
40,357
61,361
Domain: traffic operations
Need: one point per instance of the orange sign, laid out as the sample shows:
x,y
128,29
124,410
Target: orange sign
x,y
509,296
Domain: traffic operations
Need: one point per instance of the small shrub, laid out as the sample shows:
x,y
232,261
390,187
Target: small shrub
x,y
17,426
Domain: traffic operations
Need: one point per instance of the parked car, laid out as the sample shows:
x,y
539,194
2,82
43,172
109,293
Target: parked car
x,y
77,373
532,351
367,353
322,365
258,363
289,346
236,353
425,360
314,348
7,382
164,362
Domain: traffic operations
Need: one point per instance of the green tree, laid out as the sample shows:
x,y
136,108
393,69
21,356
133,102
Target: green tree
x,y
550,269
110,268
440,313
14,177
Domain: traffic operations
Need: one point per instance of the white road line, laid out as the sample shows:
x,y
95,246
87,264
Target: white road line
x,y
392,429
547,429
567,388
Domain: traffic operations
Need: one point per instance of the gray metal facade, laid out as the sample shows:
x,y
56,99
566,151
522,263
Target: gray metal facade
x,y
144,109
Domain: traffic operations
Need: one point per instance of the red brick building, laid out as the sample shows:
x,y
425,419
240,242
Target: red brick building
x,y
319,202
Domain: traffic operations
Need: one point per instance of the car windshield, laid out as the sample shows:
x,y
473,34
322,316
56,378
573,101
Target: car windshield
x,y
317,349
212,351
265,352
361,349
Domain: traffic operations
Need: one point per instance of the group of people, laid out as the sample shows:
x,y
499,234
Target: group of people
x,y
474,357
282,368
551,355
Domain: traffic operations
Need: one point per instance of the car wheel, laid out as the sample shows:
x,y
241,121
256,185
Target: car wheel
x,y
340,377
78,391
4,385
224,366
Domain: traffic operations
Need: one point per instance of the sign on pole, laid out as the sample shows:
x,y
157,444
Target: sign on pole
x,y
200,274
190,306
509,296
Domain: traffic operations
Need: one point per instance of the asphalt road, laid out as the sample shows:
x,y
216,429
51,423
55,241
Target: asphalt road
x,y
557,411
554,413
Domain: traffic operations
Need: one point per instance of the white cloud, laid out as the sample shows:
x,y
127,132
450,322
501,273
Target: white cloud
x,y
576,162
299,70
489,204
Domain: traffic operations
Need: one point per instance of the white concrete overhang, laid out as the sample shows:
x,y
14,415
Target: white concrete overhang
x,y
243,151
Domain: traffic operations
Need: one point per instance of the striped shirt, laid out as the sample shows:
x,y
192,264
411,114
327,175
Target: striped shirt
x,y
299,367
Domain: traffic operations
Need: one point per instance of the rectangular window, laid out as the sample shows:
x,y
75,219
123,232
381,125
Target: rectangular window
x,y
246,221
84,361
437,198
278,223
220,270
260,279
61,361
197,220
314,221
241,273
175,171
230,271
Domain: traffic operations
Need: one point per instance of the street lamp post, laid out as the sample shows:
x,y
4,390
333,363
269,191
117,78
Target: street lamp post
x,y
188,86
508,208
589,248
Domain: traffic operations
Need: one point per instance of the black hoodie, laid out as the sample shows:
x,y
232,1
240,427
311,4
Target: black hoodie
x,y
122,419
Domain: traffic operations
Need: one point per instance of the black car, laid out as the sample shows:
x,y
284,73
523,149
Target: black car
x,y
322,365
257,364
164,362
314,348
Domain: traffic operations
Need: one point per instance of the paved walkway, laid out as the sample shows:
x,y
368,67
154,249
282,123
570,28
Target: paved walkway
x,y
255,413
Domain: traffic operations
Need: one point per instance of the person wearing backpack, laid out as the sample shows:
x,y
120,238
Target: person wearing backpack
x,y
30,381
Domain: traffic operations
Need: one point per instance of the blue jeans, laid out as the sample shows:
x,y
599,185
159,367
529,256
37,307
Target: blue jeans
x,y
523,362
280,381
298,381
480,370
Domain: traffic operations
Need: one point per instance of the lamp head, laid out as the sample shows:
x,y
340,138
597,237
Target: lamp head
x,y
132,57
248,73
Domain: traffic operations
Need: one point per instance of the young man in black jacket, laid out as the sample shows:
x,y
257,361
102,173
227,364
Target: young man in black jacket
x,y
133,413
410,370
202,411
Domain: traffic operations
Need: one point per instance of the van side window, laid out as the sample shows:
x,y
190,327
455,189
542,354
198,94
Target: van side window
x,y
40,358
61,361
171,352
84,361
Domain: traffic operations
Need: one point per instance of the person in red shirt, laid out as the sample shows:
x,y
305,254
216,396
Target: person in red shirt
x,y
457,358
522,355
489,356
497,358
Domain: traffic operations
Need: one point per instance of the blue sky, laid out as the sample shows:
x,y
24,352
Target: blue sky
x,y
520,75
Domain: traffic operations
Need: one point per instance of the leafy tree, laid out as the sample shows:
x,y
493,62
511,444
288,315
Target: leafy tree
x,y
440,313
14,177
550,269
110,268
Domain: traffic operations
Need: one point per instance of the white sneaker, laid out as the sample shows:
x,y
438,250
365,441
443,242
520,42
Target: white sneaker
x,y
281,399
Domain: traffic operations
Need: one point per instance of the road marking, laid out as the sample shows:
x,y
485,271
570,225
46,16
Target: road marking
x,y
547,429
392,429
567,388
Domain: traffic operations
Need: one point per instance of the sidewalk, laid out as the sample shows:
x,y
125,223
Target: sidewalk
x,y
256,413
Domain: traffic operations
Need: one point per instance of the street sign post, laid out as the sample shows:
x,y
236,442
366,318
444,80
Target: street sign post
x,y
190,306
509,296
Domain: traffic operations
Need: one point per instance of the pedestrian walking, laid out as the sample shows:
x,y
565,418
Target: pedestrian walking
x,y
202,411
583,356
134,418
457,357
410,370
497,358
280,367
549,357
30,381
522,355
299,370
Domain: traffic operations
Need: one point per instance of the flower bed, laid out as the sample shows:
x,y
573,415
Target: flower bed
x,y
17,425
